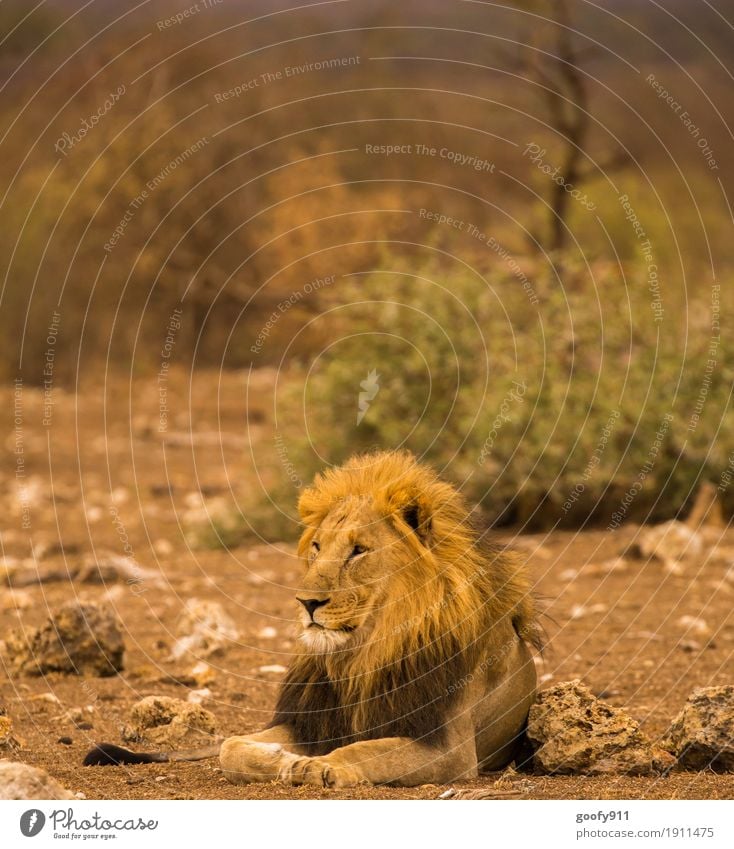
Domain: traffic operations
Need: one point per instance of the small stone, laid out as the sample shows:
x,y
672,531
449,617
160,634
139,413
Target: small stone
x,y
702,735
48,698
65,741
81,639
267,633
109,568
165,721
572,732
196,697
695,625
202,674
273,667
204,628
8,742
20,781
579,611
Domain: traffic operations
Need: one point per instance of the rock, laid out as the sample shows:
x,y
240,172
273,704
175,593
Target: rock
x,y
572,732
170,722
695,625
275,668
19,781
8,742
669,542
202,674
196,697
702,735
81,639
109,568
204,628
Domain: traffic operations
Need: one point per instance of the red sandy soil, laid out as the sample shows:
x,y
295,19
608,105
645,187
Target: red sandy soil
x,y
619,631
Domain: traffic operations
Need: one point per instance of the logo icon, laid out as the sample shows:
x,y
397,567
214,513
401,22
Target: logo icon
x,y
371,387
31,822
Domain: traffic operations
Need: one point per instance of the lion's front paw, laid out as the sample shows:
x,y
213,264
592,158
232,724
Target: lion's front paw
x,y
320,772
244,761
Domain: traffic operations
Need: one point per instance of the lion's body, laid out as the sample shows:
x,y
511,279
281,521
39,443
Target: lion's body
x,y
416,666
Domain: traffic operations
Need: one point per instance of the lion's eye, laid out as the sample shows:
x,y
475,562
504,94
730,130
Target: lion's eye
x,y
315,546
357,550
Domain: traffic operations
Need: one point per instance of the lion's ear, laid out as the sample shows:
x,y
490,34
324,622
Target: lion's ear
x,y
418,519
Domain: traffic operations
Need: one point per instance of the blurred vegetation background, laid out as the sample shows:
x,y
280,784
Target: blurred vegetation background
x,y
560,333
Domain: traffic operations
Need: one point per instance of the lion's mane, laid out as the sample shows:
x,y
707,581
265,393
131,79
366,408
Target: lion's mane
x,y
448,610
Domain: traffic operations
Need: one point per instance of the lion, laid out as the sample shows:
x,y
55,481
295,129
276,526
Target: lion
x,y
415,661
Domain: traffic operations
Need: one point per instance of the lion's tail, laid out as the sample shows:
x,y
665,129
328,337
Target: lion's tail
x,y
107,754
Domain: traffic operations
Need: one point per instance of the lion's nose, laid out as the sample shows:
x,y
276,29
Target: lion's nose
x,y
313,604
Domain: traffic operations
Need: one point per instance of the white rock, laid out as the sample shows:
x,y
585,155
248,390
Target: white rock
x,y
694,625
273,667
196,697
578,611
267,633
669,542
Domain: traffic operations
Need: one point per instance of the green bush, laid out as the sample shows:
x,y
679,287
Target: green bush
x,y
544,413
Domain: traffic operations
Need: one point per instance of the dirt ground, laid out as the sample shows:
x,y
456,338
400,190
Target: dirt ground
x,y
617,625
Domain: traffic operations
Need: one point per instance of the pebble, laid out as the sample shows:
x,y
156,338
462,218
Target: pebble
x,y
196,697
273,667
65,741
694,625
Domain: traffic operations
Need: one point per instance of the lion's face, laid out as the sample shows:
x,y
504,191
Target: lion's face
x,y
349,560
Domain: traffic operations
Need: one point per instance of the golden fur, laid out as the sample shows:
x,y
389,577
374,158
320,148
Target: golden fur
x,y
440,608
